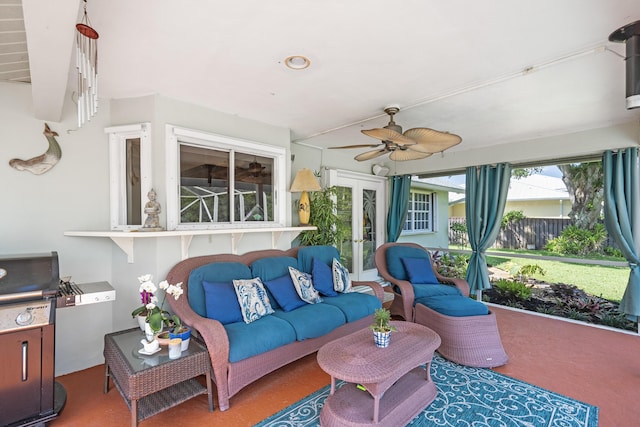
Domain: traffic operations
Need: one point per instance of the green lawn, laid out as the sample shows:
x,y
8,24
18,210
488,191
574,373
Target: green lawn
x,y
602,281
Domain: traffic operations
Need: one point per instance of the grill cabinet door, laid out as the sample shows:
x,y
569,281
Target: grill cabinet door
x,y
20,375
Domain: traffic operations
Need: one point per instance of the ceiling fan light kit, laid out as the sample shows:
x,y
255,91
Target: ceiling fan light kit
x,y
414,144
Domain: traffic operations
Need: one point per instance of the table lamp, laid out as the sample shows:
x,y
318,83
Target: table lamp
x,y
304,181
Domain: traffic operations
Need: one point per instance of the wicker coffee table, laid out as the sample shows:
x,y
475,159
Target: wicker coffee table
x,y
151,384
397,388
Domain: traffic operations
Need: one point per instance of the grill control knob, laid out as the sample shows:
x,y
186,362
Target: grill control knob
x,y
25,318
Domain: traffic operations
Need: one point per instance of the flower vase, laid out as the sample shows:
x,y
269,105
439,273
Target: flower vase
x,y
141,321
149,333
185,336
382,339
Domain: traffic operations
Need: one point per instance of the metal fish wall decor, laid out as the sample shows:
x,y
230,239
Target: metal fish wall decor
x,y
42,163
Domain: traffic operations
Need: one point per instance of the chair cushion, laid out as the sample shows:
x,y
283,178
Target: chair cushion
x,y
307,254
430,290
284,292
322,278
354,305
250,339
304,286
272,267
222,302
214,272
394,257
252,298
313,320
341,278
455,306
419,270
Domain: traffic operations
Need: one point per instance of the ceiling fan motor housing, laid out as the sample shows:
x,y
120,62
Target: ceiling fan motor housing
x,y
630,35
391,111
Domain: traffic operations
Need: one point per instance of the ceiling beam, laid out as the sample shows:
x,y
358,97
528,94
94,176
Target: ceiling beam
x,y
50,28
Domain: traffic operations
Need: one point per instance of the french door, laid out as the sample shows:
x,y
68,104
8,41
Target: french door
x,y
361,202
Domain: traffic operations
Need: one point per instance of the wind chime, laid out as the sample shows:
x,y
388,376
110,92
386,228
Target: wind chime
x,y
87,65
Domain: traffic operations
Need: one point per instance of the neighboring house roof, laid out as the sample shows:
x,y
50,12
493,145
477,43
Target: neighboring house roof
x,y
533,187
438,184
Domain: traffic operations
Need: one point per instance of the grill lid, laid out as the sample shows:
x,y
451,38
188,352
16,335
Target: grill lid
x,y
33,274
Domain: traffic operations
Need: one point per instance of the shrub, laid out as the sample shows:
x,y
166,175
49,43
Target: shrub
x,y
512,290
526,271
450,265
576,241
512,217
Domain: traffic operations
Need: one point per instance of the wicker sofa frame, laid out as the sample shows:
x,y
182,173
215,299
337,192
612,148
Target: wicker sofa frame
x,y
229,377
471,340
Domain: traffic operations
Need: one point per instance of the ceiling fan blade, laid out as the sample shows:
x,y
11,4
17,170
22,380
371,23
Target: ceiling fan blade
x,y
388,135
354,146
431,141
402,155
367,155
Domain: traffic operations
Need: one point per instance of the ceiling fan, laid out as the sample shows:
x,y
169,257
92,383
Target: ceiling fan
x,y
416,143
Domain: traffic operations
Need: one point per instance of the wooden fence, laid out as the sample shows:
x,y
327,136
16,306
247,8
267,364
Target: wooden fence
x,y
528,233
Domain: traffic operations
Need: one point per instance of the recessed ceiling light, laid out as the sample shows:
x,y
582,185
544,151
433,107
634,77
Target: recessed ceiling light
x,y
297,62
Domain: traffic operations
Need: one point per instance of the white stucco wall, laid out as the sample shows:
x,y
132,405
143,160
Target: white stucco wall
x,y
74,195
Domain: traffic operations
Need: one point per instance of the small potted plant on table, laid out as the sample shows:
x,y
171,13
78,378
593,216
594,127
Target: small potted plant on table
x,y
381,327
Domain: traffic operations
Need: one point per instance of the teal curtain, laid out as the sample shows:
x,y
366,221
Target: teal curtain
x,y
622,217
486,195
398,206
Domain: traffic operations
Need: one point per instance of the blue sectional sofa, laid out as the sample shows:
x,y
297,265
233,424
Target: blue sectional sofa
x,y
247,340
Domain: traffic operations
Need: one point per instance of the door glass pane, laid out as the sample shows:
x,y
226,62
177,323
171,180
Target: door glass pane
x,y
345,213
368,228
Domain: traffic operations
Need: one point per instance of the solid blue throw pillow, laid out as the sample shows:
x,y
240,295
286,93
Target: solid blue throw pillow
x,y
285,293
322,278
419,270
222,302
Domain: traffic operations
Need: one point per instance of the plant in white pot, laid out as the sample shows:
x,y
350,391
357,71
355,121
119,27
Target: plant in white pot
x,y
381,327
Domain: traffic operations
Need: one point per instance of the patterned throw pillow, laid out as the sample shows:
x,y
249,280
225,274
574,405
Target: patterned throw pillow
x,y
341,279
253,299
304,286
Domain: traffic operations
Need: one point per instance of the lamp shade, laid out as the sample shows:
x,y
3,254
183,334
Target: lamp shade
x,y
305,181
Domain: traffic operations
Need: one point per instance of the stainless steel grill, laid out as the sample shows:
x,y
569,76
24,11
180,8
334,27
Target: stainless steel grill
x,y
29,394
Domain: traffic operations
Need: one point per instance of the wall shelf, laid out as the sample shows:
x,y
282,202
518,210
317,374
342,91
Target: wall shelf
x,y
125,239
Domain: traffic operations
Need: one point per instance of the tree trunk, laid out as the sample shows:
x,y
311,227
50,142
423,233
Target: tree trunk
x,y
584,183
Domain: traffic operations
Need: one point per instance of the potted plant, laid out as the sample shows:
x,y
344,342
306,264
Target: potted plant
x,y
330,229
381,327
155,316
181,331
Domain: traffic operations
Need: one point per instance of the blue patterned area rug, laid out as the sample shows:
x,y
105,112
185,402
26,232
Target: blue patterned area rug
x,y
467,397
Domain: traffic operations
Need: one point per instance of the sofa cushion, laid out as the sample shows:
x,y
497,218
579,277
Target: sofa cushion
x,y
214,272
250,339
272,267
306,255
313,320
394,257
456,306
354,305
430,290
253,299
341,278
419,270
222,302
304,286
284,292
322,278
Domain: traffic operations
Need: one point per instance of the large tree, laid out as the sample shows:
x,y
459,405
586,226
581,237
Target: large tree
x,y
584,182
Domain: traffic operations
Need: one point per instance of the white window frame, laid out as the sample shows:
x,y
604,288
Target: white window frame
x,y
432,213
118,136
177,135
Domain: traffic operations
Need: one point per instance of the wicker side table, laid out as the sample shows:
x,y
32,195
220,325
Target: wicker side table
x,y
151,384
397,388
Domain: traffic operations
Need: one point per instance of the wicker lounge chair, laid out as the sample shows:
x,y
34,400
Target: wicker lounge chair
x,y
471,340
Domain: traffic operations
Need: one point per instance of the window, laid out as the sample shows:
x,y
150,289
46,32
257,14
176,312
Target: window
x,y
217,181
130,174
421,213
